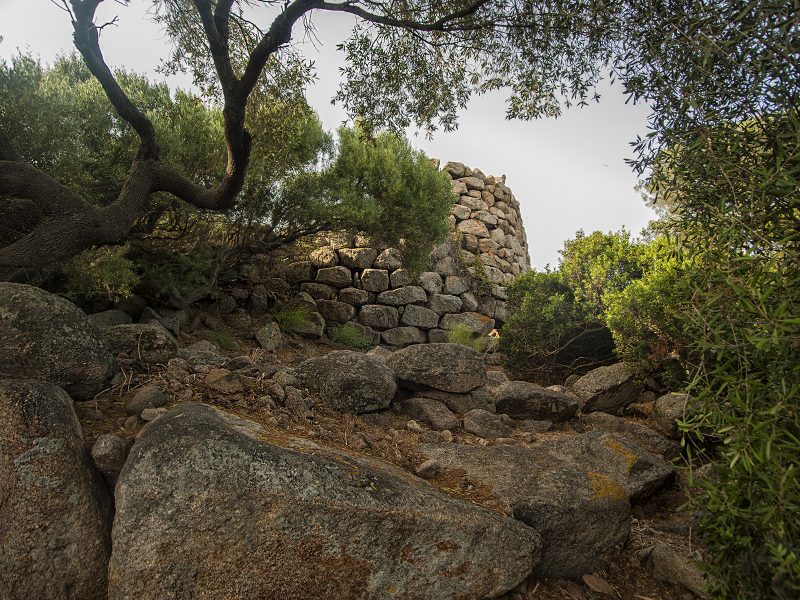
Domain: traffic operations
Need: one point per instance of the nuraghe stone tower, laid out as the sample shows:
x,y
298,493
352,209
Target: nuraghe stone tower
x,y
349,282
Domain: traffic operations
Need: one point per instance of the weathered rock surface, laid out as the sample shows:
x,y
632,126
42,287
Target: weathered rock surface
x,y
582,517
403,336
150,344
523,400
311,327
148,396
408,294
446,367
607,389
108,318
477,323
48,338
430,411
487,425
639,472
55,512
642,436
269,337
109,453
463,403
667,410
348,381
308,523
574,490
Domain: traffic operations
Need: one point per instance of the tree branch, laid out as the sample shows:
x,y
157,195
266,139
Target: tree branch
x,y
439,24
22,180
87,42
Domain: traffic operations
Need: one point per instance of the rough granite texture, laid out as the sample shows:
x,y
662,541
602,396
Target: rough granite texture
x,y
207,507
47,337
55,511
445,367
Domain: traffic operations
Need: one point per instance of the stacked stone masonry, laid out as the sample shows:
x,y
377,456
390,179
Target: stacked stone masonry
x,y
464,284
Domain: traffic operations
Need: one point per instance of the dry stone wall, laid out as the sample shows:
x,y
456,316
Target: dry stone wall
x,y
349,282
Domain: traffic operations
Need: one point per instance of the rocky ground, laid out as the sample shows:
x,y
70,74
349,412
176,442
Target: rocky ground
x,y
284,467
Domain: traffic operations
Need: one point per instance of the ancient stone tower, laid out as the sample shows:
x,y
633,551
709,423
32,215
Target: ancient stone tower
x,y
350,282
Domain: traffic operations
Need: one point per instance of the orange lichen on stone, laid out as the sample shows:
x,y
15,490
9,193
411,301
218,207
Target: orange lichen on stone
x,y
605,487
629,456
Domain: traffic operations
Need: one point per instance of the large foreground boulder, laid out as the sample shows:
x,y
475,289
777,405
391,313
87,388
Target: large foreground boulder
x,y
574,490
349,382
583,518
207,509
607,389
446,367
55,512
48,338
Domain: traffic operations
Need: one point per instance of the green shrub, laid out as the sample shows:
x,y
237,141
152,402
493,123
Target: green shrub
x,y
461,334
105,272
292,317
647,318
548,335
223,340
348,335
177,275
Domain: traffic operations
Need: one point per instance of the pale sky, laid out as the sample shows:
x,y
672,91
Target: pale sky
x,y
567,173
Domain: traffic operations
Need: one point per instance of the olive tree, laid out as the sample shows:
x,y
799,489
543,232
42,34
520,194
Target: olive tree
x,y
408,62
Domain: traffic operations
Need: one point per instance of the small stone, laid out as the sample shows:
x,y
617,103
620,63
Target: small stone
x,y
223,381
358,258
151,414
419,316
433,412
484,424
473,227
148,396
412,425
109,453
403,336
429,469
409,294
389,259
455,285
431,282
269,337
354,296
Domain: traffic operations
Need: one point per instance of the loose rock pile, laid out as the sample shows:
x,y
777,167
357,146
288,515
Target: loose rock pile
x,y
504,485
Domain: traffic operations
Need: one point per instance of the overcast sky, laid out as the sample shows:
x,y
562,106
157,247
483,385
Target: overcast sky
x,y
568,173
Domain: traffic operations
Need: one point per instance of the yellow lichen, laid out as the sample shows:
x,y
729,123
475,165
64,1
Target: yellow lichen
x,y
629,456
605,487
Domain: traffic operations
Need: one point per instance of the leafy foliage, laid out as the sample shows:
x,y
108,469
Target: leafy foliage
x,y
105,272
461,334
291,317
735,199
556,323
350,336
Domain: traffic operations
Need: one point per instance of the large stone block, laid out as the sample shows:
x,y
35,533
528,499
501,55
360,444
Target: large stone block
x,y
375,280
403,336
339,277
419,316
358,258
410,294
312,523
378,316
